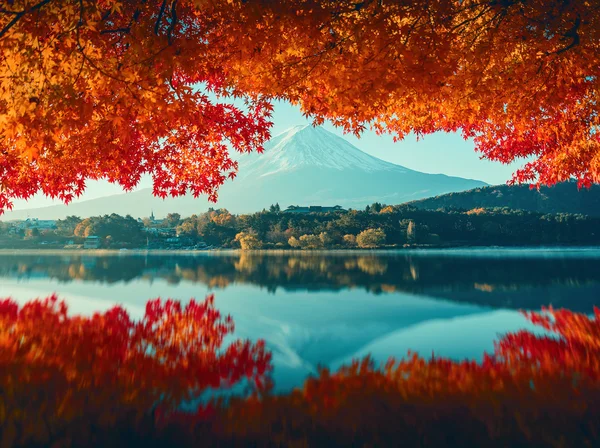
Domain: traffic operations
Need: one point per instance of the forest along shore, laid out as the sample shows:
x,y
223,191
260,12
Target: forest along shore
x,y
376,227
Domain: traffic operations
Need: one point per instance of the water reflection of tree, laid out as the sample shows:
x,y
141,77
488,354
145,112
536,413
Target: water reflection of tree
x,y
372,265
482,280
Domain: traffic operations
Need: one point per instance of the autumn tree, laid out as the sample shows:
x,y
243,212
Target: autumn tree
x,y
116,89
327,239
294,242
171,220
109,89
221,217
370,238
311,242
248,241
122,229
67,226
411,231
349,240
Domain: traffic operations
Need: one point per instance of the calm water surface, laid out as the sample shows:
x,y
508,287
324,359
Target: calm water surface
x,y
326,309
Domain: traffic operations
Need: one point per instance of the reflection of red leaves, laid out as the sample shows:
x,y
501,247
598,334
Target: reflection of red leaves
x,y
531,381
8,309
107,366
571,349
58,373
552,366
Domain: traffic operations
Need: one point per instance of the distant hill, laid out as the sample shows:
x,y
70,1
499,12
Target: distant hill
x,y
560,198
302,166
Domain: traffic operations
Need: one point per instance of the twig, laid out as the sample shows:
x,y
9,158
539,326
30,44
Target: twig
x,y
19,15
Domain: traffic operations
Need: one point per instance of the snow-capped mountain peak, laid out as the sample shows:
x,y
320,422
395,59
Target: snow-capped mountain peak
x,y
302,146
304,165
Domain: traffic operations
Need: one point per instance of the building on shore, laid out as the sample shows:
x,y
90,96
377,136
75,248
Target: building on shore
x,y
154,221
313,209
92,242
34,223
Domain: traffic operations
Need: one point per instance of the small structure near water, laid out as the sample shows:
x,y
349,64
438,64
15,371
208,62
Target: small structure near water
x,y
91,242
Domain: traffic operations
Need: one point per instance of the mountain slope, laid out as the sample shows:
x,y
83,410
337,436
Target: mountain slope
x,y
305,146
301,166
561,198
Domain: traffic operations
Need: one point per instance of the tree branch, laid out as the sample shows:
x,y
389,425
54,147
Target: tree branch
x,y
19,15
573,34
125,30
159,18
173,21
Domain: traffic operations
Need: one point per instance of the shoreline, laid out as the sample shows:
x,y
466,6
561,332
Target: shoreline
x,y
353,251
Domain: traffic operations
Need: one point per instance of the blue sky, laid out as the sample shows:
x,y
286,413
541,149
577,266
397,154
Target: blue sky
x,y
436,153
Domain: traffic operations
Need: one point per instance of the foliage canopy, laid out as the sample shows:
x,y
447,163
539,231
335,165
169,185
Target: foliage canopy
x,y
117,88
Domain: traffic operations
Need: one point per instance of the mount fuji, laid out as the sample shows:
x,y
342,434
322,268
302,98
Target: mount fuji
x,y
304,165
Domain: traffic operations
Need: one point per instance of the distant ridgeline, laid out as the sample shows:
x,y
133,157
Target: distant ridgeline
x,y
561,198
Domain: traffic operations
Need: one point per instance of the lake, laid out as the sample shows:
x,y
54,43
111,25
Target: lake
x,y
327,308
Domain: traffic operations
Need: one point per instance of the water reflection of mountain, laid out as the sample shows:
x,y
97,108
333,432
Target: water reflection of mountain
x,y
495,281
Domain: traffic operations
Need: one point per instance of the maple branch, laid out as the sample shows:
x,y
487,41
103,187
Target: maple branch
x,y
19,15
95,67
471,19
149,58
498,17
307,73
160,14
572,33
125,30
173,21
8,11
411,29
81,12
79,72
